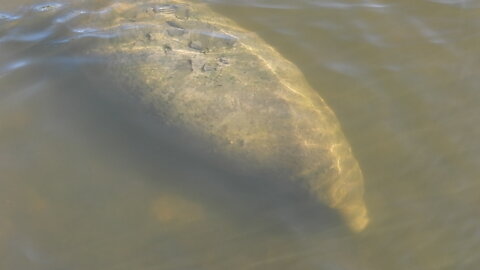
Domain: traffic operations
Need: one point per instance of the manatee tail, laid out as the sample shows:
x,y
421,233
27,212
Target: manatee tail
x,y
333,175
345,192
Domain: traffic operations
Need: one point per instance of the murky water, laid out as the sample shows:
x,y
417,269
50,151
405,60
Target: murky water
x,y
89,182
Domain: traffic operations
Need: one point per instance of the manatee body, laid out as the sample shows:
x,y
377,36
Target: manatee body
x,y
204,73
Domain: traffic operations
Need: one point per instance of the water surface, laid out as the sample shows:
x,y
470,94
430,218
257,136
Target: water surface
x,y
86,180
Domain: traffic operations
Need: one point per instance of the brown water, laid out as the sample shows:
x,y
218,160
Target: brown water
x,y
85,181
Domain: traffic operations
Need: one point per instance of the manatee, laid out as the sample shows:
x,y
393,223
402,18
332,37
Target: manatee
x,y
204,73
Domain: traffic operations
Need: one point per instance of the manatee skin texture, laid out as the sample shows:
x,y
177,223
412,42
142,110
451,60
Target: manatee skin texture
x,y
209,76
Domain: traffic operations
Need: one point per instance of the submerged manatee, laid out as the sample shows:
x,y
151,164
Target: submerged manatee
x,y
207,75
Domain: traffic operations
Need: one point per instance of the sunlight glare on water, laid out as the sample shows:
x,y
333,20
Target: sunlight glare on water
x,y
90,182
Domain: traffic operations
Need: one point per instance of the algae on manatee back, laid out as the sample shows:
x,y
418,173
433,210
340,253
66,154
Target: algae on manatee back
x,y
203,73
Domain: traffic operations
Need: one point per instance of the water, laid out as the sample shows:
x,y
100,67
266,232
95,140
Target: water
x,y
86,180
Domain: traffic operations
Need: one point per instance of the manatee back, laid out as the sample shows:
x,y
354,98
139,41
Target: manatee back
x,y
202,72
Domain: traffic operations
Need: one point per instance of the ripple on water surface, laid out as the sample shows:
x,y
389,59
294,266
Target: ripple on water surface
x,y
401,76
